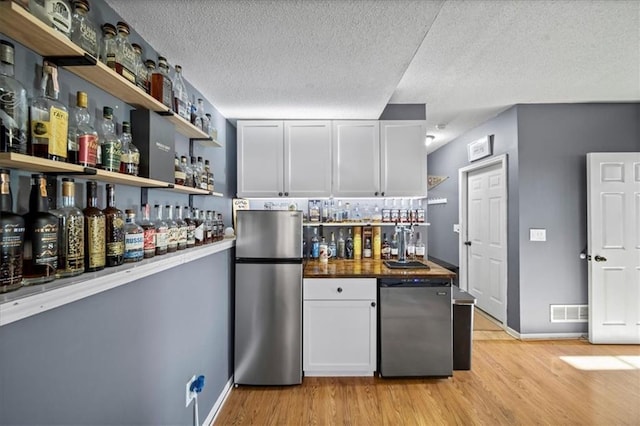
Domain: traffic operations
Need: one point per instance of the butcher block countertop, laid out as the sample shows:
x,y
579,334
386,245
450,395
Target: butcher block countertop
x,y
369,268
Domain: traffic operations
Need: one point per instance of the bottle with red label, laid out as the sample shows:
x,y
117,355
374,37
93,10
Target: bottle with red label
x,y
85,149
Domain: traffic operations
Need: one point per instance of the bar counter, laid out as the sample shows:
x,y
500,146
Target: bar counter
x,y
369,268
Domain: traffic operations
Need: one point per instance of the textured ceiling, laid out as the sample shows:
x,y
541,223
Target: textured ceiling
x,y
467,60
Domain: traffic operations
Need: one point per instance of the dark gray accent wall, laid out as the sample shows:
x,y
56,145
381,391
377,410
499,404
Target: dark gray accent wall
x,y
404,112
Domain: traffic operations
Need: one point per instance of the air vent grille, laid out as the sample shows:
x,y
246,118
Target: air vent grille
x,y
569,313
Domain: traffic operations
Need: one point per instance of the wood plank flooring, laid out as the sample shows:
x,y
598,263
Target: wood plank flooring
x,y
512,382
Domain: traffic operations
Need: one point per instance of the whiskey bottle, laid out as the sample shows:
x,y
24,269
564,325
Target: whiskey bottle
x,y
109,46
191,228
54,13
114,230
183,229
125,55
71,234
420,247
178,173
162,231
13,104
150,65
149,233
386,247
202,173
341,246
11,238
315,245
94,231
209,173
196,173
130,154
394,246
188,180
110,144
180,95
348,246
133,238
86,138
411,247
41,236
201,119
173,231
199,231
161,85
84,32
206,220
142,75
49,118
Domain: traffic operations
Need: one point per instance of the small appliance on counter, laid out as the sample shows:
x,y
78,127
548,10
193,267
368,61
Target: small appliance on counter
x,y
268,298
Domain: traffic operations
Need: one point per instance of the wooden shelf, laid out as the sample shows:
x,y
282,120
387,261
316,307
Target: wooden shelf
x,y
189,190
37,164
210,143
20,25
121,178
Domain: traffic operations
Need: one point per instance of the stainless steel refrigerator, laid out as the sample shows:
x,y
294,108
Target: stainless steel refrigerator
x,y
268,298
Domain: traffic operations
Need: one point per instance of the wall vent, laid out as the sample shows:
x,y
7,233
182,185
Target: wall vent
x,y
569,313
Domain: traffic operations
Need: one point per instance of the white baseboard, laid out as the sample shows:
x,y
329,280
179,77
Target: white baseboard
x,y
544,336
222,398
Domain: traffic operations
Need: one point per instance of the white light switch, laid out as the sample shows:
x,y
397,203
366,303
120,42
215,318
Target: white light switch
x,y
537,234
456,227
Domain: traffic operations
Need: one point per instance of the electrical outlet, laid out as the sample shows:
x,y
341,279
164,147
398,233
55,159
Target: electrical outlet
x,y
537,234
456,228
189,395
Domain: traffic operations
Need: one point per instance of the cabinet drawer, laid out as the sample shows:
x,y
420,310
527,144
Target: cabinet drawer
x,y
339,289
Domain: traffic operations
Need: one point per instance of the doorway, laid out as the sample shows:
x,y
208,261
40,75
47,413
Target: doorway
x,y
483,234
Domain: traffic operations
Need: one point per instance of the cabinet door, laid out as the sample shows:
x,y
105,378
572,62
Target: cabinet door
x,y
403,158
307,158
356,158
339,338
260,159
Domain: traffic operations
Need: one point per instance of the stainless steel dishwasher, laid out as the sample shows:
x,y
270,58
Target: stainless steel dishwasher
x,y
415,335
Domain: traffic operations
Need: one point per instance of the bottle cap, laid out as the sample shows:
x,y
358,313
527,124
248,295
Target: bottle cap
x,y
82,99
6,52
150,64
126,127
81,4
178,68
123,27
107,112
108,29
137,48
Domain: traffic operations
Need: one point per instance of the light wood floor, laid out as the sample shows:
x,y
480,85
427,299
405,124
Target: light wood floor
x,y
511,383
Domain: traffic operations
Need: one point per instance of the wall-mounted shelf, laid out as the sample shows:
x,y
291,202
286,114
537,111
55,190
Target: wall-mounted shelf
x,y
20,25
345,224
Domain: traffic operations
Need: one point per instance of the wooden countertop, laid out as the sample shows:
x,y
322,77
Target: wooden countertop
x,y
368,268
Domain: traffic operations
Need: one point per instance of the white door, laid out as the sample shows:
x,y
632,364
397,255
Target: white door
x,y
403,158
260,159
307,159
356,158
486,241
613,222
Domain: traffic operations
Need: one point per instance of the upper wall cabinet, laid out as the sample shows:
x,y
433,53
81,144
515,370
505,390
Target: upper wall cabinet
x,y
284,159
403,158
356,158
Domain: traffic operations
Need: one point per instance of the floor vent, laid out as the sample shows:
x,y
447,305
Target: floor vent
x,y
569,313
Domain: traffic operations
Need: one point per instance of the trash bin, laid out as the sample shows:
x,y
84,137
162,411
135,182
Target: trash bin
x,y
463,304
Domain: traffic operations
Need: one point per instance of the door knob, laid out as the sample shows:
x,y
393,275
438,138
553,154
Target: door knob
x,y
467,243
599,258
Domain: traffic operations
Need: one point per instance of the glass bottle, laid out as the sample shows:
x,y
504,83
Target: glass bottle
x,y
149,228
315,245
110,144
191,228
366,250
133,238
11,238
71,233
86,137
200,117
196,173
150,65
188,181
130,154
420,247
54,13
173,231
125,55
162,231
394,246
199,231
341,246
49,118
94,231
206,220
109,46
178,174
41,236
333,247
114,230
203,174
348,246
142,74
84,32
180,95
161,85
209,129
420,213
386,247
193,110
411,246
183,229
209,174
13,104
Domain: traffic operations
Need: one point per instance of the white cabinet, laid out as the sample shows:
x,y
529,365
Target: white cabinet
x,y
339,327
379,158
284,159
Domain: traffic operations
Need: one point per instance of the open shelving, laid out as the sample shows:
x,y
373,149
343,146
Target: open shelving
x,y
346,224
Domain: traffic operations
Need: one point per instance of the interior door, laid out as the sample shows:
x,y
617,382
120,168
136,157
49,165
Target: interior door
x,y
613,221
487,239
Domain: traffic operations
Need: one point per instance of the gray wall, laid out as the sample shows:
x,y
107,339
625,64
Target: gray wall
x,y
124,356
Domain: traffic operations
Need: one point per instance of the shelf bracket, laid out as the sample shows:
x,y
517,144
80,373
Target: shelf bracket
x,y
191,148
165,113
144,196
191,201
73,61
201,139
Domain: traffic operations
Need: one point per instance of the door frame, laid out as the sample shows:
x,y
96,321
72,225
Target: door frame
x,y
463,210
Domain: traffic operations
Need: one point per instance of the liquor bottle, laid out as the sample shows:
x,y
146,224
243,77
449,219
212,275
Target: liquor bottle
x,y
324,213
357,242
161,85
172,231
84,32
210,129
209,173
386,247
114,230
395,212
200,117
110,144
203,174
54,13
133,238
149,228
183,229
346,213
142,74
377,214
337,212
11,238
341,246
348,246
125,55
411,246
376,243
162,232
191,228
86,138
333,247
13,104
208,226
412,213
130,156
199,231
180,95
94,231
49,118
403,212
420,247
41,236
220,227
394,246
323,251
420,213
150,65
71,233
188,180
109,47
315,245
193,110
197,176
366,251
386,212
179,174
